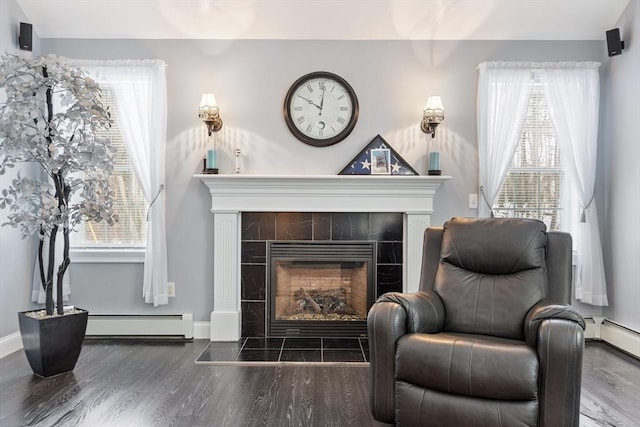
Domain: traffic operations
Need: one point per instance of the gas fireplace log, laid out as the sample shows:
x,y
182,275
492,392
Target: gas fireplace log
x,y
304,300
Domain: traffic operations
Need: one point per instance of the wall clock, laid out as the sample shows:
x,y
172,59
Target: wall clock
x,y
321,109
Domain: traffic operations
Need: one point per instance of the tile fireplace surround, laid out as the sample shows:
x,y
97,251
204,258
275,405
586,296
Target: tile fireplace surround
x,y
233,194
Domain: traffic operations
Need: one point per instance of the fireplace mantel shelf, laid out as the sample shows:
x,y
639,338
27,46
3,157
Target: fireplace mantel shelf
x,y
316,193
233,194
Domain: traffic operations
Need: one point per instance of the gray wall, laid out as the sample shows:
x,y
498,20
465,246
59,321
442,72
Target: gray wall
x,y
250,78
16,255
621,189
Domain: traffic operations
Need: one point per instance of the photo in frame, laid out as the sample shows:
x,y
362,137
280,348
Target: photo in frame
x,y
380,161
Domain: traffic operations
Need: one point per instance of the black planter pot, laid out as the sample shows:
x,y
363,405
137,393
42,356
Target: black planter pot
x,y
53,345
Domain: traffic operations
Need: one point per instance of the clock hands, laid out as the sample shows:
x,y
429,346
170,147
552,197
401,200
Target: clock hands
x,y
322,100
311,102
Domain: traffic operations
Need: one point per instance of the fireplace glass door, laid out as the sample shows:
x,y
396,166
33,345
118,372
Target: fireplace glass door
x,y
320,288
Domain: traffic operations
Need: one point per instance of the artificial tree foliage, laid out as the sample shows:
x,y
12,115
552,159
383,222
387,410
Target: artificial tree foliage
x,y
52,117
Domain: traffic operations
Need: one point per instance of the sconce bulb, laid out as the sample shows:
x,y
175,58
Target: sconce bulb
x,y
209,112
432,115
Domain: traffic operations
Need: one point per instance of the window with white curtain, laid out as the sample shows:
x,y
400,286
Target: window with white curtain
x,y
538,184
129,203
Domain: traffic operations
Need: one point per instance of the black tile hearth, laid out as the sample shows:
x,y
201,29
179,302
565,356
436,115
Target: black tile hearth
x,y
301,356
302,343
268,343
342,355
341,343
258,355
287,350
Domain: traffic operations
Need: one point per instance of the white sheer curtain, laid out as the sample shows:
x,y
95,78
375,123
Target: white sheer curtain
x,y
139,91
572,90
503,96
573,95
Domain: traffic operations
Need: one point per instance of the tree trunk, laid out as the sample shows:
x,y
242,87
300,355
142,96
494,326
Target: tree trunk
x,y
48,285
62,269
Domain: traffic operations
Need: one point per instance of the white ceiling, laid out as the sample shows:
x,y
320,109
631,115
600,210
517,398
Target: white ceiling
x,y
325,19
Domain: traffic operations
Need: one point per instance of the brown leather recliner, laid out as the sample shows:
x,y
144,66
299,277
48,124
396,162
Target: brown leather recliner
x,y
489,339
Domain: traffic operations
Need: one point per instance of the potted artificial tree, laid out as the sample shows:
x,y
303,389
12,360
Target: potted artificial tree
x,y
51,119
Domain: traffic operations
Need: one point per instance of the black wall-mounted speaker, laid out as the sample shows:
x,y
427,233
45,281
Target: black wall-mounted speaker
x,y
614,44
25,39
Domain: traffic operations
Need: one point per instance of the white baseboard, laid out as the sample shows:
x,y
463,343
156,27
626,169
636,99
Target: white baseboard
x,y
201,330
614,334
10,344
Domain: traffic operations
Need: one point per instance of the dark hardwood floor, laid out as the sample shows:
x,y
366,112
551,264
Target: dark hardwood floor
x,y
150,383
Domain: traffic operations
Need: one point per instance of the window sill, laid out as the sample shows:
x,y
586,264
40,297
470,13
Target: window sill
x,y
107,255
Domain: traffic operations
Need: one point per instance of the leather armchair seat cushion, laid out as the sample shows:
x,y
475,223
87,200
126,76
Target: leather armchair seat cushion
x,y
419,407
469,365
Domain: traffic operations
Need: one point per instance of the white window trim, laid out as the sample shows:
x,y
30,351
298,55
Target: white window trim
x,y
111,255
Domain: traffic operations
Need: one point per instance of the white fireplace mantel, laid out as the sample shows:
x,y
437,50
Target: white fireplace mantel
x,y
233,194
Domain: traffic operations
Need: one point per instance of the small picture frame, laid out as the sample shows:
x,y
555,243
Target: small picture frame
x,y
380,161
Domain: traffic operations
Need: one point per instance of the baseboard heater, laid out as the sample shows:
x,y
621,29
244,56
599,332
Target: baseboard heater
x,y
178,326
614,334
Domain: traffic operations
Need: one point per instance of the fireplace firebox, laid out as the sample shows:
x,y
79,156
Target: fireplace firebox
x,y
320,288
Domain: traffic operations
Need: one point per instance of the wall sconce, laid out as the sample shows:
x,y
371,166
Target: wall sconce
x,y
432,115
210,113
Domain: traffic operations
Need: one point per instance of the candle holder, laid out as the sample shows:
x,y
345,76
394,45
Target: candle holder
x,y
207,170
211,162
434,163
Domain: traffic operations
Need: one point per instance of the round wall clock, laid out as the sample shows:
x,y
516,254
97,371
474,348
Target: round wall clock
x,y
321,109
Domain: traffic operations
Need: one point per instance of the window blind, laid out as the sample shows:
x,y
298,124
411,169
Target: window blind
x,y
537,184
129,202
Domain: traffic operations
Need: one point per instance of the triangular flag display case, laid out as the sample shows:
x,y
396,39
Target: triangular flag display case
x,y
361,164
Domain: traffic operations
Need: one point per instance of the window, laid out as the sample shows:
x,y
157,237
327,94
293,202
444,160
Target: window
x,y
131,229
537,184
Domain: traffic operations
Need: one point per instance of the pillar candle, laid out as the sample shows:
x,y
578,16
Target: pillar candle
x,y
212,159
434,161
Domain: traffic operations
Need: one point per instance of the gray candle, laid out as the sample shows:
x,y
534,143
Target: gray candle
x,y
434,161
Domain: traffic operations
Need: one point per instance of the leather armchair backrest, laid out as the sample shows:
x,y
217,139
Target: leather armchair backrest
x,y
491,272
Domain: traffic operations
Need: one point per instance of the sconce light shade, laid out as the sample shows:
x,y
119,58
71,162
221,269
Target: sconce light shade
x,y
432,115
210,113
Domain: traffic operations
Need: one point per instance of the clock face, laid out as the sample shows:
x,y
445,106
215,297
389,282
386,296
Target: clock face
x,y
321,109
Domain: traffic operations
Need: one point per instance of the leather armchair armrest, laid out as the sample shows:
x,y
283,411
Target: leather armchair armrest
x,y
424,310
391,317
557,333
560,349
546,310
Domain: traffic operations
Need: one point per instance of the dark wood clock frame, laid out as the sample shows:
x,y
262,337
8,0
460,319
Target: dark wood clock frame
x,y
306,138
